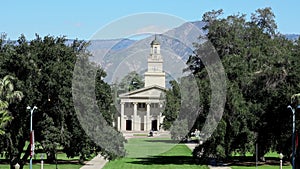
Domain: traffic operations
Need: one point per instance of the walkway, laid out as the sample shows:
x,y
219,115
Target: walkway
x,y
97,162
213,167
191,145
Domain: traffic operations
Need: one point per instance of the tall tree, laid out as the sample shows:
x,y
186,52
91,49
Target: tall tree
x,y
130,82
44,68
172,107
262,75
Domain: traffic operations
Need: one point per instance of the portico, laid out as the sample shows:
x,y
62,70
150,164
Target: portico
x,y
141,110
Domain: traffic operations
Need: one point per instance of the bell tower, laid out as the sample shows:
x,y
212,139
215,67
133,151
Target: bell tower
x,y
155,74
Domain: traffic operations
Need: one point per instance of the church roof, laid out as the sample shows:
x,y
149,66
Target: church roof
x,y
142,90
155,41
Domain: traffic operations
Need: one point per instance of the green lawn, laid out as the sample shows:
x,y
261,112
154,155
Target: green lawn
x,y
154,153
148,153
47,166
147,146
260,167
60,156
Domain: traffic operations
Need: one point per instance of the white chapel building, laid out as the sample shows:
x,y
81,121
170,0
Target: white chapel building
x,y
141,110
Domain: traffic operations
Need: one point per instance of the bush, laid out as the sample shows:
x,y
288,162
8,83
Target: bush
x,y
179,130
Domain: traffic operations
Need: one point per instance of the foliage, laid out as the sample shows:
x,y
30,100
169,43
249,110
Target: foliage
x,y
44,68
182,107
95,116
295,100
7,96
130,82
104,97
172,107
262,70
179,130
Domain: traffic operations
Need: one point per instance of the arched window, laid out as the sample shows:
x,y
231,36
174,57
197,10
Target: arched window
x,y
155,50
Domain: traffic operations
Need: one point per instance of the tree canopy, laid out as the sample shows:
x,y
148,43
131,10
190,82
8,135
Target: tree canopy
x,y
262,69
43,69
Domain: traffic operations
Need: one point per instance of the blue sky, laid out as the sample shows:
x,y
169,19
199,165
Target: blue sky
x,y
81,19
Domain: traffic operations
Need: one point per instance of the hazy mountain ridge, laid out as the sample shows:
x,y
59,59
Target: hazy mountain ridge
x,y
292,36
122,56
113,45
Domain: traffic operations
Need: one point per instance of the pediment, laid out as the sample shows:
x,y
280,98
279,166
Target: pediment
x,y
147,92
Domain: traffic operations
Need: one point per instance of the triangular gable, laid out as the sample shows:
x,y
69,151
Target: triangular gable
x,y
150,91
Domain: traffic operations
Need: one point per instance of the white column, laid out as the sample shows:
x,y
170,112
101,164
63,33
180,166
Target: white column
x,y
145,123
122,119
148,128
119,124
134,120
158,121
113,121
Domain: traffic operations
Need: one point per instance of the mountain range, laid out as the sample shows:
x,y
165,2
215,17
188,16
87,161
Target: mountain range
x,y
118,57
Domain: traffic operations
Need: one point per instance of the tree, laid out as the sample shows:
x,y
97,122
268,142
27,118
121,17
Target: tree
x,y
261,67
91,115
104,97
130,82
7,96
264,19
172,106
179,130
181,104
44,69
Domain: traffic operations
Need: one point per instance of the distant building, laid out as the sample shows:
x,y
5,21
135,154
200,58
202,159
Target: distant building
x,y
141,110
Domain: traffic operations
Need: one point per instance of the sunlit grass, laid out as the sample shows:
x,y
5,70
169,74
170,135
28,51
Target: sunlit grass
x,y
155,153
260,167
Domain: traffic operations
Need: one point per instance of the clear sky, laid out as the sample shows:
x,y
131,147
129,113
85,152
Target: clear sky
x,y
81,19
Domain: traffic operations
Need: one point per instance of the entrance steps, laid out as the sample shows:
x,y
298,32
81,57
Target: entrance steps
x,y
136,134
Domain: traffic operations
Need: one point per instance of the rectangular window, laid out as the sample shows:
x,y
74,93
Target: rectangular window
x,y
142,105
155,105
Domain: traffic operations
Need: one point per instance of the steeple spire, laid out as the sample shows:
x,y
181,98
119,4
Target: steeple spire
x,y
155,41
155,74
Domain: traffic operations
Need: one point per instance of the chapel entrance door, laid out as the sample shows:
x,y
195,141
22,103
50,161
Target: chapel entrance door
x,y
154,125
128,125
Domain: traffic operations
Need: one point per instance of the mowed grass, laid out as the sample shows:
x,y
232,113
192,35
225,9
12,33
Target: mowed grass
x,y
155,153
148,146
60,157
48,166
260,167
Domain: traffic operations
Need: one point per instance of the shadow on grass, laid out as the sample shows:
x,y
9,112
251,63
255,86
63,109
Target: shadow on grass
x,y
250,161
163,141
164,160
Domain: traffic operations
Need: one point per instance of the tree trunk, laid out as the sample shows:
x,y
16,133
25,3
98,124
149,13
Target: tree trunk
x,y
51,157
23,161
